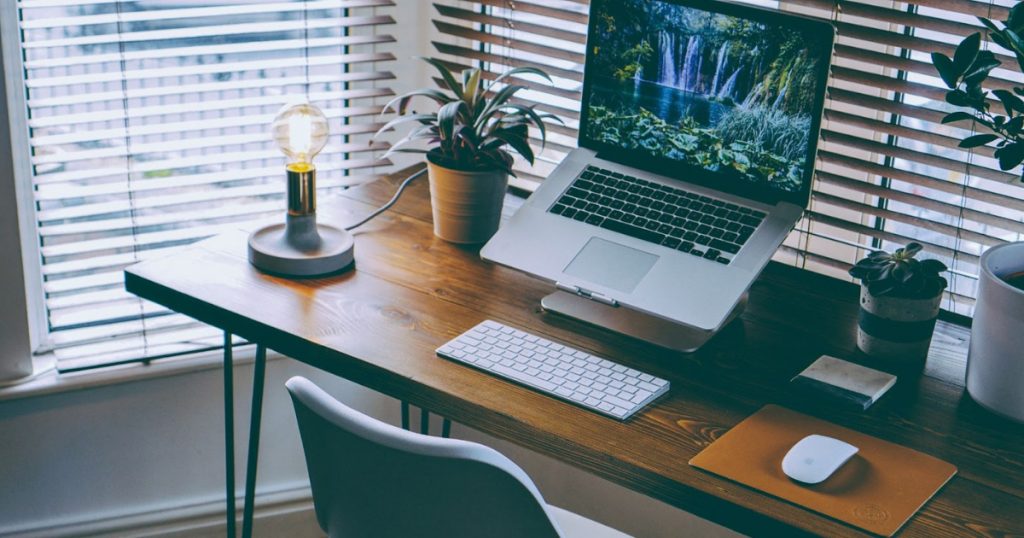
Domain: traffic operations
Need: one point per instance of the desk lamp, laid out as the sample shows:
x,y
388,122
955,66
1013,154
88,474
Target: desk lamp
x,y
300,247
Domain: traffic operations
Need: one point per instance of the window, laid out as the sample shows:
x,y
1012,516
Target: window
x,y
888,171
148,125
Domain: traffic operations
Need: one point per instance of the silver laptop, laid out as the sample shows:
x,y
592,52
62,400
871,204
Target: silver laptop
x,y
698,131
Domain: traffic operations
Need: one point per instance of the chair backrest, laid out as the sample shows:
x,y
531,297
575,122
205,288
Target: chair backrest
x,y
371,479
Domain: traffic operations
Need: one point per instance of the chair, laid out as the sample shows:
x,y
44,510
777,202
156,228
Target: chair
x,y
373,480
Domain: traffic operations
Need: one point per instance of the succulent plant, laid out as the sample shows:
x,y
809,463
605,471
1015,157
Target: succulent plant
x,y
470,132
900,274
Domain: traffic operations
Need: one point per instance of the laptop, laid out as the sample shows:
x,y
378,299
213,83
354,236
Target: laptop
x,y
698,131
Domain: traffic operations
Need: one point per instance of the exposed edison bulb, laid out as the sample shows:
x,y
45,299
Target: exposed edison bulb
x,y
300,131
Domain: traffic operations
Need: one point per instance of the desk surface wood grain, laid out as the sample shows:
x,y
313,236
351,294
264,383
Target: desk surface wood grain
x,y
411,292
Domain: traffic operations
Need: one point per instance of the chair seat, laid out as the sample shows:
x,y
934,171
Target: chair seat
x,y
577,526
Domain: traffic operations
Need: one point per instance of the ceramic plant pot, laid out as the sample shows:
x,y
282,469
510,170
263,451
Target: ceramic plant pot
x,y
466,205
896,329
995,362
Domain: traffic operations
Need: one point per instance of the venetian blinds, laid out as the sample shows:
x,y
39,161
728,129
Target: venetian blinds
x,y
149,128
888,171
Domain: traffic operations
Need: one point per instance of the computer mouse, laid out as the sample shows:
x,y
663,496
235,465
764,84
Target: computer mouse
x,y
815,458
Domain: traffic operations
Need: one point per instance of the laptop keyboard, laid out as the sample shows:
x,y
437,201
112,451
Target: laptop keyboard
x,y
689,222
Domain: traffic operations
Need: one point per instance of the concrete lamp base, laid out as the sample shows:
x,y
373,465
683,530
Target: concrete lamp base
x,y
301,248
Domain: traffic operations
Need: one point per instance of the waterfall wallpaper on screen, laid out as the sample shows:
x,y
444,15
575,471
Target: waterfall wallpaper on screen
x,y
730,95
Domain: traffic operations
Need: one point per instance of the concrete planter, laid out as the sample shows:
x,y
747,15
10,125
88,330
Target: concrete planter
x,y
896,329
995,363
466,205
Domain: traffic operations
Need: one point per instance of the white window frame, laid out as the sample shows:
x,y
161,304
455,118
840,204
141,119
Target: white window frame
x,y
22,318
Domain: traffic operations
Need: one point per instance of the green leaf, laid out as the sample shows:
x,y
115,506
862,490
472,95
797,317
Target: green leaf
x,y
470,85
958,116
449,79
497,102
521,71
990,25
1015,22
1016,45
958,98
1011,102
966,53
517,142
429,118
998,39
536,120
946,69
911,250
1010,156
446,119
1014,126
403,101
978,140
982,66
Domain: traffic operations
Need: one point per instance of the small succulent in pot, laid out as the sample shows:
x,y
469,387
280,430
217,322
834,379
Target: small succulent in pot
x,y
900,274
900,298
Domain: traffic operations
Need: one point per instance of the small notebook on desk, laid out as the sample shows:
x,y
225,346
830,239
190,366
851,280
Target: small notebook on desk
x,y
878,490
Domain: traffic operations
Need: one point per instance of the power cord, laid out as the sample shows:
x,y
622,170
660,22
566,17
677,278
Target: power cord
x,y
388,205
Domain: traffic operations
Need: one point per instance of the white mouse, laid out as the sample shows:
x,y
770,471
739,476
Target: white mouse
x,y
815,458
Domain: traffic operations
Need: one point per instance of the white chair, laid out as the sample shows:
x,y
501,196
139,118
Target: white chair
x,y
373,480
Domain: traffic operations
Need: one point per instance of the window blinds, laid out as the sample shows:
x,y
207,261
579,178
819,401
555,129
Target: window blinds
x,y
149,128
888,171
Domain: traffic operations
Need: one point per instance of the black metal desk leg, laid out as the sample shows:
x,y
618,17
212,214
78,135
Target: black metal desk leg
x,y
259,373
229,432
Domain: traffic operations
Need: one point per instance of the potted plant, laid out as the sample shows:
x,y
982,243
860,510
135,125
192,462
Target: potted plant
x,y
995,365
899,302
468,141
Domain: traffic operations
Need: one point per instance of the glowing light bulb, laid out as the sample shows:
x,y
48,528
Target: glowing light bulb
x,y
300,132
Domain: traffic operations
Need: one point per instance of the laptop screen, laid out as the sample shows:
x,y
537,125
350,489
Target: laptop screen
x,y
737,93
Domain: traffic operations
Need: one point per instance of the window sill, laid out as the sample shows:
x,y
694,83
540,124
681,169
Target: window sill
x,y
51,382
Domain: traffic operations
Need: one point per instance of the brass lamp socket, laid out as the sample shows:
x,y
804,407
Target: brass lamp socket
x,y
301,189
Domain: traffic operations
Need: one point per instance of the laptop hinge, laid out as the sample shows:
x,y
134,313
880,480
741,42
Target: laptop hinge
x,y
592,295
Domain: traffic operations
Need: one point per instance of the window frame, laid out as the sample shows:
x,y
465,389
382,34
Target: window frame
x,y
21,287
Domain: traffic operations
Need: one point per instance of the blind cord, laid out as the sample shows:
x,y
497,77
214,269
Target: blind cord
x,y
390,203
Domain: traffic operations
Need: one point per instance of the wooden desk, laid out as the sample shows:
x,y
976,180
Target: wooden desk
x,y
410,292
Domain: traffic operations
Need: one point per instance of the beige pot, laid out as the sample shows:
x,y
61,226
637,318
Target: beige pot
x,y
466,205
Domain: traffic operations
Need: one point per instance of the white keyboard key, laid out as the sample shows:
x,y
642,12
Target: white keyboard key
x,y
640,396
647,386
569,374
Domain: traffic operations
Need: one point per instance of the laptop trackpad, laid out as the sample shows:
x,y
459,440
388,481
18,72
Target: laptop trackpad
x,y
611,265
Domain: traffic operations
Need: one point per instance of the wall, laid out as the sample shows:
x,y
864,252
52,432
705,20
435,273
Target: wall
x,y
144,457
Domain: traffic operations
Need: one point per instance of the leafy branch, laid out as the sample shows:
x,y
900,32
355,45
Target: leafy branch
x,y
965,73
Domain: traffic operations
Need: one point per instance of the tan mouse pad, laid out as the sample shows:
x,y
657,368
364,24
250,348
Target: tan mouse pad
x,y
878,490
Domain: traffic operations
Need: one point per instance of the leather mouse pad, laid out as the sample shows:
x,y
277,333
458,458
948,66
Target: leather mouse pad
x,y
878,490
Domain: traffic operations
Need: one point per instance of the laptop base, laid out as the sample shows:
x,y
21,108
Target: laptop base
x,y
632,323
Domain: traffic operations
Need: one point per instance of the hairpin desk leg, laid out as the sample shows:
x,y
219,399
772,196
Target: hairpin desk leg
x,y
229,432
405,415
259,372
446,429
424,422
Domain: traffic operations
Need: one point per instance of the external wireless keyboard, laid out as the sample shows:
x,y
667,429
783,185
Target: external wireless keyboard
x,y
561,371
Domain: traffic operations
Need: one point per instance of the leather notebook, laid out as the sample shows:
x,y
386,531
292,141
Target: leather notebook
x,y
877,490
